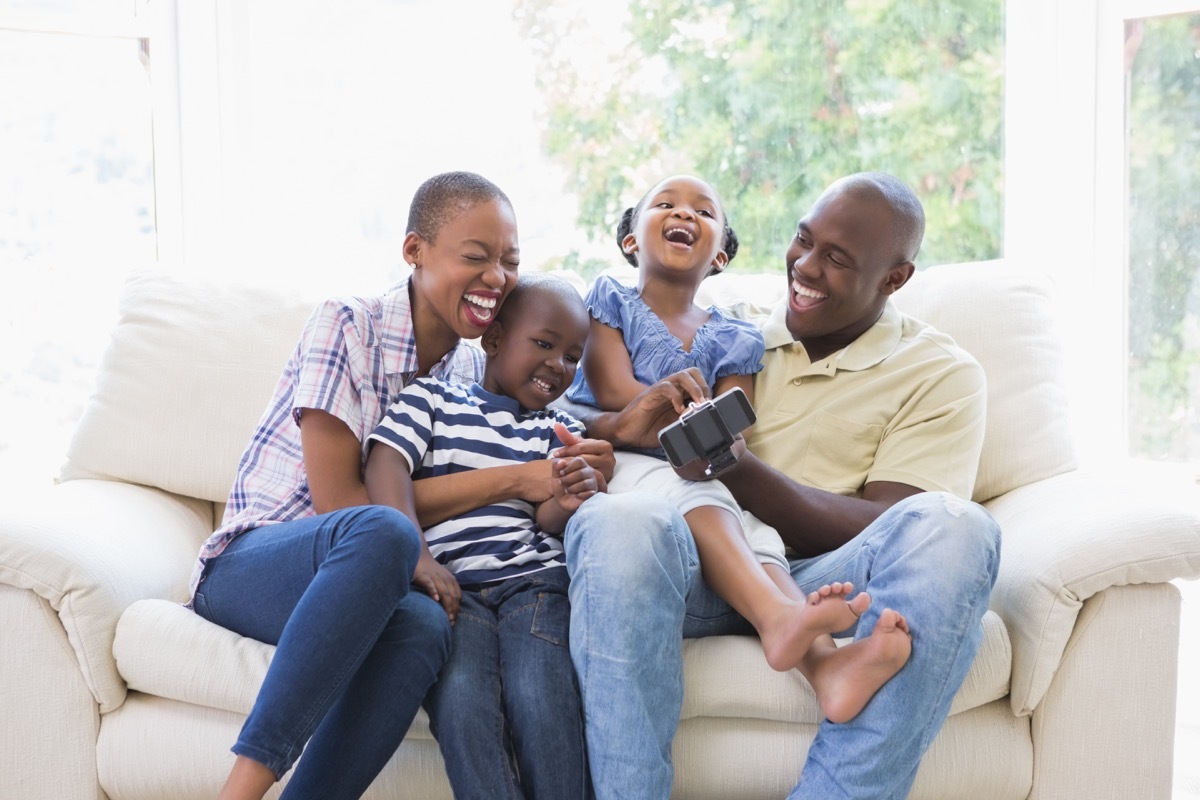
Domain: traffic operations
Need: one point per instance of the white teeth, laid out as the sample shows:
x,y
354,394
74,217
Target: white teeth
x,y
804,291
480,300
541,384
688,235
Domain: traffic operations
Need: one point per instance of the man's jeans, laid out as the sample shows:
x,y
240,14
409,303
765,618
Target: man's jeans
x,y
356,650
506,711
636,591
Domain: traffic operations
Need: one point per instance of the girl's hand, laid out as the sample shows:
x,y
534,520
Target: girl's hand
x,y
638,424
596,452
438,582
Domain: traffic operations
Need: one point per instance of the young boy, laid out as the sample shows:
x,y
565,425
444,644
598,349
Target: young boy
x,y
505,711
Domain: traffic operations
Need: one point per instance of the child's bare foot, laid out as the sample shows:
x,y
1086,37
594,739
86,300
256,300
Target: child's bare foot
x,y
787,638
845,678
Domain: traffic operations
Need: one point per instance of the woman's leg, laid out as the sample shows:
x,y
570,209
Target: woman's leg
x,y
466,711
327,590
541,693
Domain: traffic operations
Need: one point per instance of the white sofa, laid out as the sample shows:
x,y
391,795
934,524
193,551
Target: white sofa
x,y
112,689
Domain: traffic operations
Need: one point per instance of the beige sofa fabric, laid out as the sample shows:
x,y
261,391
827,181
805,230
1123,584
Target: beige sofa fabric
x,y
188,372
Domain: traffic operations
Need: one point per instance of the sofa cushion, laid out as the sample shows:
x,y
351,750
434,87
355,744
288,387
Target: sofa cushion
x,y
186,376
166,650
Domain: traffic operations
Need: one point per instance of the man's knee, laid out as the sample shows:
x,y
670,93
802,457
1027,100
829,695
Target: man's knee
x,y
961,533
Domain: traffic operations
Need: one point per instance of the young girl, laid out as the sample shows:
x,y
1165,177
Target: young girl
x,y
676,236
303,562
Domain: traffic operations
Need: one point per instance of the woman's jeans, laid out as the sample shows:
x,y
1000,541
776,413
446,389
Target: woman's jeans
x,y
356,650
506,711
636,591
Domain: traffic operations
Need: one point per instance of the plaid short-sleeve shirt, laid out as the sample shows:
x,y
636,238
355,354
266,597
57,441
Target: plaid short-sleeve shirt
x,y
353,358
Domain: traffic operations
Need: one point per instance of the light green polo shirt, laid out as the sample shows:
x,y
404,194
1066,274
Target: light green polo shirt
x,y
902,403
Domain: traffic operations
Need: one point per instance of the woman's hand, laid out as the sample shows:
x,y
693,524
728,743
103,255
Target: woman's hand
x,y
438,582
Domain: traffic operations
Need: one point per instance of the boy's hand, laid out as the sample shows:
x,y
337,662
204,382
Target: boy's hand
x,y
597,452
575,481
438,582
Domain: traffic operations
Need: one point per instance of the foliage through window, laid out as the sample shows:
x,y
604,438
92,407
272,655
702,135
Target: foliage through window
x,y
770,102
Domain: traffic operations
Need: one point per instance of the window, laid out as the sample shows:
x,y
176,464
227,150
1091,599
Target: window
x,y
1162,228
77,207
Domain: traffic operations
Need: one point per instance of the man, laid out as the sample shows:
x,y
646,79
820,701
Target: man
x,y
870,426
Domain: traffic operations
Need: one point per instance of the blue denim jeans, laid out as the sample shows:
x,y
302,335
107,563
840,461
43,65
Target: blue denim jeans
x,y
506,710
636,591
356,651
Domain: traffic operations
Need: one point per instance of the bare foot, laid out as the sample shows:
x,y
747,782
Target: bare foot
x,y
788,636
845,678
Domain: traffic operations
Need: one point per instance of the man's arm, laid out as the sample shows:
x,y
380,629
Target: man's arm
x,y
810,521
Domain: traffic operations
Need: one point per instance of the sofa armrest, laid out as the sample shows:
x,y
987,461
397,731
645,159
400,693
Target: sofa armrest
x,y
91,548
1063,540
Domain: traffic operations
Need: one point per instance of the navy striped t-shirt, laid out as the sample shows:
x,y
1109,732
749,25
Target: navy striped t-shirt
x,y
442,428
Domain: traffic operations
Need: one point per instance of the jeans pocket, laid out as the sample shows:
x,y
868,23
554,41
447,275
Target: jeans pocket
x,y
552,618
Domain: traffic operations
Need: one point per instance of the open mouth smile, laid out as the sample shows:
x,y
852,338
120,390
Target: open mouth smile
x,y
680,235
481,307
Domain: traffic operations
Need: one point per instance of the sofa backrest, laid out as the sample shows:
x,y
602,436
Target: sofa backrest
x,y
191,366
187,374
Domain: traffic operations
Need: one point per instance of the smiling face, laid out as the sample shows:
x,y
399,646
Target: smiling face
x,y
461,276
678,227
534,349
842,265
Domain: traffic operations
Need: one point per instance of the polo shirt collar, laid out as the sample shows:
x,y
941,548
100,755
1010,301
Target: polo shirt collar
x,y
875,345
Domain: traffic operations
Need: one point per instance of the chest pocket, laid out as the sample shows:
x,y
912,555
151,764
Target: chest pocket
x,y
840,453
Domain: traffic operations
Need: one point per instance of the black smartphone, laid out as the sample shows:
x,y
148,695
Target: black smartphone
x,y
707,430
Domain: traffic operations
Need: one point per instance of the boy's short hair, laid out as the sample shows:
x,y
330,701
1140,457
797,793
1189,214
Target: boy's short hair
x,y
532,284
438,198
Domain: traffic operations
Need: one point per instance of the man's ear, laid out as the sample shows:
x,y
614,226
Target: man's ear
x,y
897,276
490,341
629,244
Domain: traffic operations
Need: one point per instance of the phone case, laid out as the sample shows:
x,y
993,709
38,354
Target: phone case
x,y
707,430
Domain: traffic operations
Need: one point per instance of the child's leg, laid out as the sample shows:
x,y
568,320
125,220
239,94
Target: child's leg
x,y
465,706
845,678
541,693
786,625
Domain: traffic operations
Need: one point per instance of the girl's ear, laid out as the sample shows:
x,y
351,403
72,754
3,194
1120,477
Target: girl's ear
x,y
718,264
629,244
490,341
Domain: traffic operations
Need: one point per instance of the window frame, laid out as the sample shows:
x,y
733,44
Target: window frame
x,y
1066,196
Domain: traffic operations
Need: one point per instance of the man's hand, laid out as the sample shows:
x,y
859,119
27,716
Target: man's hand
x,y
638,424
438,582
695,470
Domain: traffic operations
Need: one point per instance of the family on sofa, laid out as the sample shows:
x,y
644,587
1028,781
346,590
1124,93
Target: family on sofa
x,y
410,506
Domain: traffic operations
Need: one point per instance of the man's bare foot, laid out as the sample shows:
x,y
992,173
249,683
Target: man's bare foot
x,y
846,678
787,637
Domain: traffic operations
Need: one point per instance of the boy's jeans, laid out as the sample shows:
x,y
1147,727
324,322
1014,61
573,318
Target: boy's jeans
x,y
356,650
636,591
506,711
